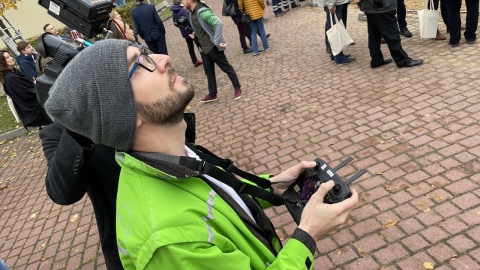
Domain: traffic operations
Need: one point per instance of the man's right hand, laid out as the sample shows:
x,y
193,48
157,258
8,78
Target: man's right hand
x,y
319,218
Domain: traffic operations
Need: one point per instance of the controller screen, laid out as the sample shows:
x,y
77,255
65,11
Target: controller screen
x,y
307,186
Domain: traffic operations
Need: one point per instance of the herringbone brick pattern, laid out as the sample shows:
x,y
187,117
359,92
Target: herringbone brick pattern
x,y
415,130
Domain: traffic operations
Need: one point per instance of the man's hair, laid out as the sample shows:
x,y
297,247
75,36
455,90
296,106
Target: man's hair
x,y
176,2
45,27
21,45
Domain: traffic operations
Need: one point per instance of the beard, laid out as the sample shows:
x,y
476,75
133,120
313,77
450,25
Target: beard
x,y
168,111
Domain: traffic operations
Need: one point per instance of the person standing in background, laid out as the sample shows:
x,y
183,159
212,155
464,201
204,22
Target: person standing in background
x,y
150,27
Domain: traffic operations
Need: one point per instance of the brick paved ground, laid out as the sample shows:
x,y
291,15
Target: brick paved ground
x,y
415,130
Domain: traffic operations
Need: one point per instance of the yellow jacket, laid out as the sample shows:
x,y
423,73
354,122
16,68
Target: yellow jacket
x,y
254,8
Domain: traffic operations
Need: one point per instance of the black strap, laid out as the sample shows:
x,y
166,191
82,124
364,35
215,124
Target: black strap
x,y
227,165
204,167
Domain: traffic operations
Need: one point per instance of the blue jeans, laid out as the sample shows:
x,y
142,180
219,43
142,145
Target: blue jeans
x,y
257,26
3,266
339,11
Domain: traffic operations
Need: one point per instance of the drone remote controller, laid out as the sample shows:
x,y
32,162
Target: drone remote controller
x,y
308,182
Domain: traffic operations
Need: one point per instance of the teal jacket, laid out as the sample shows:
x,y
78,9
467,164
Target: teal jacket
x,y
173,222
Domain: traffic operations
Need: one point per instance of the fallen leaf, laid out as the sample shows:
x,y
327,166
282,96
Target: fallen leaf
x,y
33,216
428,265
389,224
73,218
426,210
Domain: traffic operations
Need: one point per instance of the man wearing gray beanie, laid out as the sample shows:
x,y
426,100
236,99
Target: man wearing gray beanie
x,y
171,215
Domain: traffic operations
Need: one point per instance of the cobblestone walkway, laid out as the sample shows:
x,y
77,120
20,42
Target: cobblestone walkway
x,y
415,130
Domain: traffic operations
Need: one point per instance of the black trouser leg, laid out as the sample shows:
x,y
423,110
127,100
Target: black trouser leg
x,y
386,25
191,50
454,21
209,68
222,62
401,14
374,40
472,19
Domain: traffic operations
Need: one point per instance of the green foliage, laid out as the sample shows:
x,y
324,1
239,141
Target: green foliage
x,y
7,121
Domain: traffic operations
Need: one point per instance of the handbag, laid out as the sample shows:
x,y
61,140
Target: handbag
x,y
229,9
338,36
245,17
428,20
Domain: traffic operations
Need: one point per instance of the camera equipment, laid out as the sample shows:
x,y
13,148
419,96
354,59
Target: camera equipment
x,y
307,183
87,16
60,53
182,21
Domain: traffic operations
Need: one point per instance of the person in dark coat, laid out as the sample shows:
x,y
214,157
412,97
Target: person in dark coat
x,y
23,93
150,27
381,22
77,166
181,20
26,60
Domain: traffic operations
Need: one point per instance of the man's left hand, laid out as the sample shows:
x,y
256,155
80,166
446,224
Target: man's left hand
x,y
222,45
285,179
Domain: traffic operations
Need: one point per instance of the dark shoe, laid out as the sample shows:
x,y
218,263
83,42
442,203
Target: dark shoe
x,y
471,41
440,36
198,63
404,32
382,40
268,3
279,14
208,99
385,61
411,63
286,10
329,51
453,44
332,58
247,50
238,94
268,35
346,61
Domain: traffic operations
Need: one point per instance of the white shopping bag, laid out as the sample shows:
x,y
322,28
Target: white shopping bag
x,y
428,19
338,36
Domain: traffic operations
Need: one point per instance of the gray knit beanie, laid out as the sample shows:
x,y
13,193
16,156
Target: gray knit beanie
x,y
93,95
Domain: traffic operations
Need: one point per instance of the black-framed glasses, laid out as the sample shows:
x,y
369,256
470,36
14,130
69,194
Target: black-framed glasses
x,y
145,62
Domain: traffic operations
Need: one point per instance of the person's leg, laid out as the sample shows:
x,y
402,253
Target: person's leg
x,y
285,5
209,68
293,4
401,14
241,34
152,46
162,45
389,31
222,62
374,39
454,21
444,11
191,50
472,20
253,37
345,14
277,7
262,33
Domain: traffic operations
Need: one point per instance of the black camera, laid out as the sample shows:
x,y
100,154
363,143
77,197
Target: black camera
x,y
308,182
182,21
